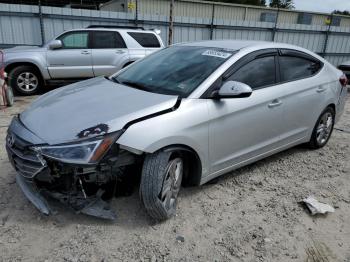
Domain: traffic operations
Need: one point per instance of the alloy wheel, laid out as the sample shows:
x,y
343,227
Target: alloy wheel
x,y
172,184
27,82
324,128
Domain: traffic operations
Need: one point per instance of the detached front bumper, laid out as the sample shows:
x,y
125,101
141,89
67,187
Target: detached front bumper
x,y
92,205
30,191
84,189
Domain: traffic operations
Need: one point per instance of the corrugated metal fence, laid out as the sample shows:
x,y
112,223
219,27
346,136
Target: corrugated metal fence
x,y
26,25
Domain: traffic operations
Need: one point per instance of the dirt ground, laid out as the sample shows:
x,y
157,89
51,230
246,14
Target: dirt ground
x,y
251,214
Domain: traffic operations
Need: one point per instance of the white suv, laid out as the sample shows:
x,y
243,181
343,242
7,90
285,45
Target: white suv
x,y
78,54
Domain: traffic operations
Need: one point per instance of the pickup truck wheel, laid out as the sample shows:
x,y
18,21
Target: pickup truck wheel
x,y
25,80
160,183
323,129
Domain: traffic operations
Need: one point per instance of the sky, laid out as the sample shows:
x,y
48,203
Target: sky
x,y
322,5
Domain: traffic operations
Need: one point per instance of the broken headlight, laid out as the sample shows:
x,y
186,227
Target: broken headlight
x,y
85,152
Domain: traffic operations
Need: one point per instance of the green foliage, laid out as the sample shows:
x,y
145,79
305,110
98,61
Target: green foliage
x,y
243,2
287,4
341,12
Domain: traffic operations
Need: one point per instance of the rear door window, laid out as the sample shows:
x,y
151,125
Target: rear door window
x,y
295,66
107,39
145,39
258,73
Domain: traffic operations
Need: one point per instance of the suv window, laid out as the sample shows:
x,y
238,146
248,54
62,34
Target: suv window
x,y
293,67
107,39
145,39
258,73
73,40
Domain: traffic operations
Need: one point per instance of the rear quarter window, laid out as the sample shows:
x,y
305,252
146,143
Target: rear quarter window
x,y
296,65
145,39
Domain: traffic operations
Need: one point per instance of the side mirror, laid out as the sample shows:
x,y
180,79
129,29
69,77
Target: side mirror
x,y
233,89
55,44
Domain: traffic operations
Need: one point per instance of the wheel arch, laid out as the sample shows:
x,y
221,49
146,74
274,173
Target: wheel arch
x,y
332,105
192,161
13,65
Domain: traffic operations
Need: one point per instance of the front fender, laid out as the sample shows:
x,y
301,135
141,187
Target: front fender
x,y
188,126
36,58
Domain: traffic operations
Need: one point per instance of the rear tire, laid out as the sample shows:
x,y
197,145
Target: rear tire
x,y
323,129
25,80
161,179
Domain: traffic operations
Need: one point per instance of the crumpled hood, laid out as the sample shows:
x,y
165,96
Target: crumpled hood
x,y
72,112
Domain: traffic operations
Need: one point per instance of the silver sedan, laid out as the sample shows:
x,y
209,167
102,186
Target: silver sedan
x,y
184,115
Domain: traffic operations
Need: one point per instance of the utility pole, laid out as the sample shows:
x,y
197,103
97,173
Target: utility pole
x,y
275,26
171,22
327,35
42,31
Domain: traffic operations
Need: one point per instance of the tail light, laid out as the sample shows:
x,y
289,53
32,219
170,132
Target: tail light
x,y
343,80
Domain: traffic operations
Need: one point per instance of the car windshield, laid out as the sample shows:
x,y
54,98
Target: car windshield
x,y
176,70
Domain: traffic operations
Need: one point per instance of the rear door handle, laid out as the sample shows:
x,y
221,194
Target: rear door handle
x,y
275,103
320,89
119,52
85,52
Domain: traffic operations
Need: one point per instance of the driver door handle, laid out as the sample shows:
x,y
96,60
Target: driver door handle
x,y
275,103
85,52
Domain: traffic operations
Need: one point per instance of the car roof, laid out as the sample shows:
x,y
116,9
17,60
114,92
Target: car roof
x,y
249,46
240,44
115,29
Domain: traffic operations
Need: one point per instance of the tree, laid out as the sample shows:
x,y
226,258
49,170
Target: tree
x,y
341,12
286,4
243,2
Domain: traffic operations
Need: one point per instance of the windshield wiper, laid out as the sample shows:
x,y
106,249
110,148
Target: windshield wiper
x,y
135,85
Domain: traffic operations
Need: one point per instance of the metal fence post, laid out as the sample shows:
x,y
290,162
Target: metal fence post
x,y
327,36
136,12
275,26
42,32
171,23
212,22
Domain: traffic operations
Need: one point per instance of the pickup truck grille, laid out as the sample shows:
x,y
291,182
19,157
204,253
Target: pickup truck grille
x,y
24,160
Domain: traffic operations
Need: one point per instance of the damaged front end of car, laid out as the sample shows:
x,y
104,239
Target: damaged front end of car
x,y
82,175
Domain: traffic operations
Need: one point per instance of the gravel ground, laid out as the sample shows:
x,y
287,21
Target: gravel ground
x,y
251,214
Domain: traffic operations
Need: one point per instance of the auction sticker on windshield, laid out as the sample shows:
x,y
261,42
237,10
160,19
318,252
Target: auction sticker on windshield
x,y
216,54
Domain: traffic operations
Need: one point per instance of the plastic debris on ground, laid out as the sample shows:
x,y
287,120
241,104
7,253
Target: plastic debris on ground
x,y
317,207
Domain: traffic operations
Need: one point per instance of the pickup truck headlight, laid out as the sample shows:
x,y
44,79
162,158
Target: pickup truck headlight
x,y
88,152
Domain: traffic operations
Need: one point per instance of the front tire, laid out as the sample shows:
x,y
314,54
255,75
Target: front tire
x,y
323,129
25,80
161,179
